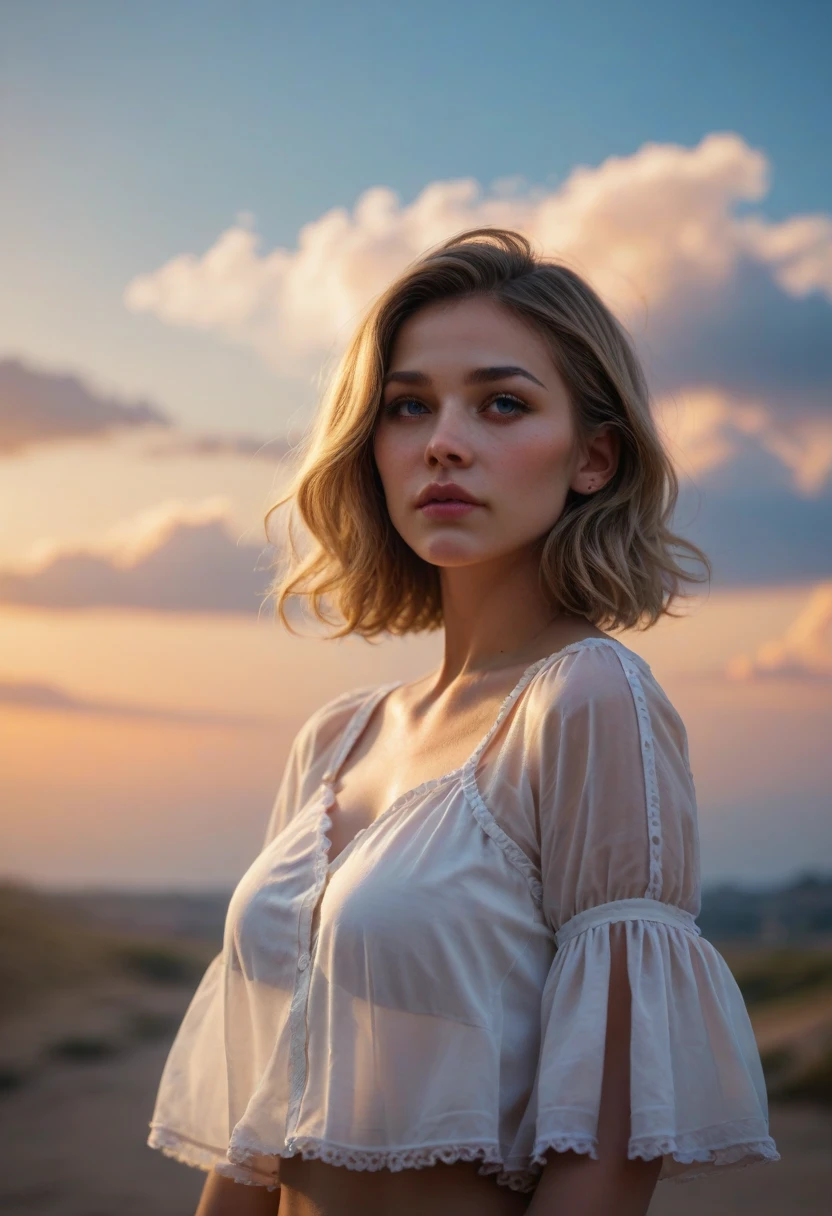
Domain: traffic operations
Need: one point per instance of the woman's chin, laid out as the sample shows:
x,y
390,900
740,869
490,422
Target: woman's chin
x,y
451,552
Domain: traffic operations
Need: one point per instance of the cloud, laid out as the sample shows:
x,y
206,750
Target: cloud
x,y
725,305
190,557
38,407
803,652
732,310
706,427
176,557
656,226
182,445
799,250
760,537
49,698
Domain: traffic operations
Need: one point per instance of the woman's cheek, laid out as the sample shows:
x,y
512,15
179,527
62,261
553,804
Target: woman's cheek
x,y
534,483
537,466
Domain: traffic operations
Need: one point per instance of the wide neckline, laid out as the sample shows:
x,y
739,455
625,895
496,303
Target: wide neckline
x,y
362,716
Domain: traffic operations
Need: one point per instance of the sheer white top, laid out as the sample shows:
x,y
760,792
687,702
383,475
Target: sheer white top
x,y
438,992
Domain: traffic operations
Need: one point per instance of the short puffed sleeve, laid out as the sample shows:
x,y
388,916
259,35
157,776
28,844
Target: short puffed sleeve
x,y
619,861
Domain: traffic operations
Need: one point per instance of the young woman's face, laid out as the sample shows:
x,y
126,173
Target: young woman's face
x,y
472,397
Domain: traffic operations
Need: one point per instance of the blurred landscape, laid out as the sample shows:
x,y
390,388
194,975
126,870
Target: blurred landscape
x,y
93,985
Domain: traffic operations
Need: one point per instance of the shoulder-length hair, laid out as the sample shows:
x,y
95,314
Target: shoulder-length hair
x,y
611,556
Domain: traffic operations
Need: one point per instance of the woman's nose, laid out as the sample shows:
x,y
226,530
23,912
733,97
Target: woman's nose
x,y
448,441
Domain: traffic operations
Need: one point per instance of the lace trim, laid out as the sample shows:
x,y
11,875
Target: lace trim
x,y
486,820
510,848
564,1144
727,1156
242,1158
323,843
248,1175
481,812
392,1159
243,1161
651,785
354,728
182,1149
524,1181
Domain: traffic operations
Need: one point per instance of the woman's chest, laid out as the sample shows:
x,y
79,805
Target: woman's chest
x,y
403,748
422,900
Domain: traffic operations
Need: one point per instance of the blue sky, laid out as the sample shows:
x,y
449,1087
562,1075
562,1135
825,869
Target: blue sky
x,y
198,201
136,131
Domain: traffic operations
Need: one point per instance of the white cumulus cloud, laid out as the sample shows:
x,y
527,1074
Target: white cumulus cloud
x,y
645,229
656,233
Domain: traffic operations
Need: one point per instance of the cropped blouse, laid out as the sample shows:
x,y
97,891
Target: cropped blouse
x,y
438,991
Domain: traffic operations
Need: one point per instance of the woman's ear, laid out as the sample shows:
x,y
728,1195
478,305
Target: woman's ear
x,y
597,462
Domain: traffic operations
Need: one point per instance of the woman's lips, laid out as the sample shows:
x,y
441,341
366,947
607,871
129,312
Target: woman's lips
x,y
449,508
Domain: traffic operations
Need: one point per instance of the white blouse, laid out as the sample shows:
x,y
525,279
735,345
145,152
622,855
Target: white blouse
x,y
438,992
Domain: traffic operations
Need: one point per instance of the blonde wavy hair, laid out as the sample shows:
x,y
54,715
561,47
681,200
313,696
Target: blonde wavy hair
x,y
610,557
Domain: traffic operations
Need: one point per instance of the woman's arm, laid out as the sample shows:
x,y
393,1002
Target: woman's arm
x,y
574,1184
224,1197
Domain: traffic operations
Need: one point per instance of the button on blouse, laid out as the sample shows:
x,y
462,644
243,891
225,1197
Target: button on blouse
x,y
437,992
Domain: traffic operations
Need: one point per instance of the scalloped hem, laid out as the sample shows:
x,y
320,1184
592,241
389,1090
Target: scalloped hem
x,y
205,1157
712,1159
246,1157
241,1162
719,1159
183,1149
247,1174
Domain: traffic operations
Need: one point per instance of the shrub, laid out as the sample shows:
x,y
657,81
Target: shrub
x,y
83,1048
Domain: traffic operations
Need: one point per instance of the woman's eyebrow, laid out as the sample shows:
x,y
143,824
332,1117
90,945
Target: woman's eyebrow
x,y
480,375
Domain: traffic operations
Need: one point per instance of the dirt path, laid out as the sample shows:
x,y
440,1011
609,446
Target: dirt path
x,y
800,1183
72,1143
805,1024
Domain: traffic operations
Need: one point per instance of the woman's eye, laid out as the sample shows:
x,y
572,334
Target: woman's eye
x,y
408,402
394,408
518,406
400,407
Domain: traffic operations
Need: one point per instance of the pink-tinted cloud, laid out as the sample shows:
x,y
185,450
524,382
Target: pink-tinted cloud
x,y
49,698
180,444
803,652
38,406
177,557
707,427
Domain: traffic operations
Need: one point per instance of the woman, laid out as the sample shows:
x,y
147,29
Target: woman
x,y
464,974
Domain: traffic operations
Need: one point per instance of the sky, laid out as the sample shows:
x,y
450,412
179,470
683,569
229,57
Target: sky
x,y
199,200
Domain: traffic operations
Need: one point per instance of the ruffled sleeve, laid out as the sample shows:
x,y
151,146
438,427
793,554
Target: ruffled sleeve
x,y
619,860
